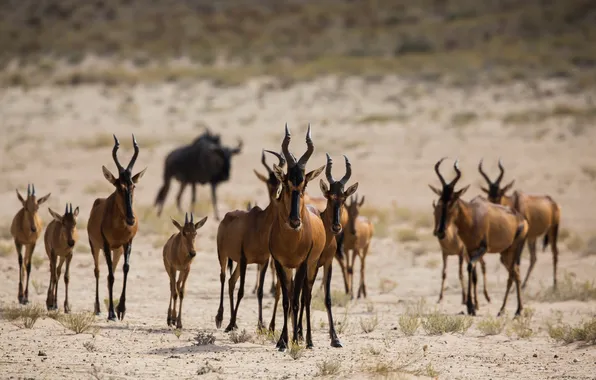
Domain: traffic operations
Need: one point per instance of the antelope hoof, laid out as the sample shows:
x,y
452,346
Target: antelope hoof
x,y
336,343
518,313
112,317
121,310
281,345
231,327
66,308
179,324
272,327
471,310
310,346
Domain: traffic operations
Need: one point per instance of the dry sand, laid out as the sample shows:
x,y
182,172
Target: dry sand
x,y
392,130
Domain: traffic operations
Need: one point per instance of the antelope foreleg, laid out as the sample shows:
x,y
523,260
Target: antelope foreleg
x,y
532,249
443,276
108,256
57,280
19,248
66,282
461,278
28,255
262,273
474,256
282,343
483,267
242,265
121,309
335,342
181,287
49,300
299,279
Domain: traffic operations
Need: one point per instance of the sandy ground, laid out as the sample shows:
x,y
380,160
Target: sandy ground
x,y
392,130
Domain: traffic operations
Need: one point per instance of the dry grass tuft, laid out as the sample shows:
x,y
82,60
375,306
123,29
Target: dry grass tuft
x,y
405,235
6,248
90,346
491,325
387,285
265,336
37,262
522,325
585,332
79,322
328,368
339,298
204,338
38,286
567,290
296,350
409,323
240,337
23,316
438,324
369,325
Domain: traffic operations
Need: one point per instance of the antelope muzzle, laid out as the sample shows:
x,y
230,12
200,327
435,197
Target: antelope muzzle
x,y
70,243
192,253
336,228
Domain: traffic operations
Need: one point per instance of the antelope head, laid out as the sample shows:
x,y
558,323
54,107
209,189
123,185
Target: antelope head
x,y
68,224
353,212
125,183
31,205
494,192
335,193
188,232
295,181
445,210
273,184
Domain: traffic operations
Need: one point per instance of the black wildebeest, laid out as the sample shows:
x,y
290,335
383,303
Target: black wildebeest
x,y
203,161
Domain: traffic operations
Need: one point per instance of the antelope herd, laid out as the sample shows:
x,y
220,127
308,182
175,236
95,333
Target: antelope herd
x,y
294,235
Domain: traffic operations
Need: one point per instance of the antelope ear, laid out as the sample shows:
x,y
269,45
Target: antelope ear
x,y
314,174
43,199
175,223
261,177
324,188
76,212
351,190
484,189
279,173
56,217
200,223
507,187
108,175
435,190
460,192
138,176
20,198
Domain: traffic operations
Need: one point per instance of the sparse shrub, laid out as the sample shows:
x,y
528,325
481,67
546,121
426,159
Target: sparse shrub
x,y
432,263
405,235
369,325
106,302
387,285
11,312
342,324
266,336
491,325
409,323
296,350
567,290
38,286
204,338
6,249
338,299
208,368
584,332
37,262
54,314
328,367
177,332
438,324
90,346
370,307
522,325
29,314
78,322
240,337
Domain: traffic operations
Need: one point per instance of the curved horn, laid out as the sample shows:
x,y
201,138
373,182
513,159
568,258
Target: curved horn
x,y
483,173
28,189
439,173
32,189
114,156
346,177
71,208
502,169
66,209
264,162
281,159
185,218
458,176
135,155
328,169
192,218
309,150
290,159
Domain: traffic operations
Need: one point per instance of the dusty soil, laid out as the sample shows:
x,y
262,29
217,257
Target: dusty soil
x,y
392,130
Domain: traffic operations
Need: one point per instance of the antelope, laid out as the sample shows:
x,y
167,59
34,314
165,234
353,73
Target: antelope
x,y
357,239
336,197
452,245
60,238
25,229
297,237
113,225
483,227
541,211
243,237
178,253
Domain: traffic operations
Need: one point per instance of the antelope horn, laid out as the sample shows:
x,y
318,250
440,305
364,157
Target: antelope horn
x,y
282,160
71,208
458,176
264,162
28,189
135,155
32,189
309,150
290,159
192,218
114,156
346,177
328,169
483,173
439,173
66,209
502,169
185,218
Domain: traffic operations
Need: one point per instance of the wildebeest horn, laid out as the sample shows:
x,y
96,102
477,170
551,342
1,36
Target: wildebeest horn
x,y
483,173
290,159
309,150
186,218
346,177
328,169
115,156
135,155
439,173
458,176
502,169
281,159
28,189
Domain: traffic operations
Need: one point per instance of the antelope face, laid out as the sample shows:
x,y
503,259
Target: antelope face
x,y
494,192
68,223
335,194
188,232
31,205
353,212
271,181
125,183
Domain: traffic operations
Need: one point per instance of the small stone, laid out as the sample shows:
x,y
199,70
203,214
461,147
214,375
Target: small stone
x,y
576,360
556,356
535,355
41,353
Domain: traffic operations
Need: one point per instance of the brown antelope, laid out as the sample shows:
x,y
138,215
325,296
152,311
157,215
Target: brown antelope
x,y
297,238
25,229
336,197
178,253
357,239
243,237
483,227
452,245
113,225
541,211
60,238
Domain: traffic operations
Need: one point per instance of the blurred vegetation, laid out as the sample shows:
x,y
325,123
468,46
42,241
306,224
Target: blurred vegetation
x,y
229,41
